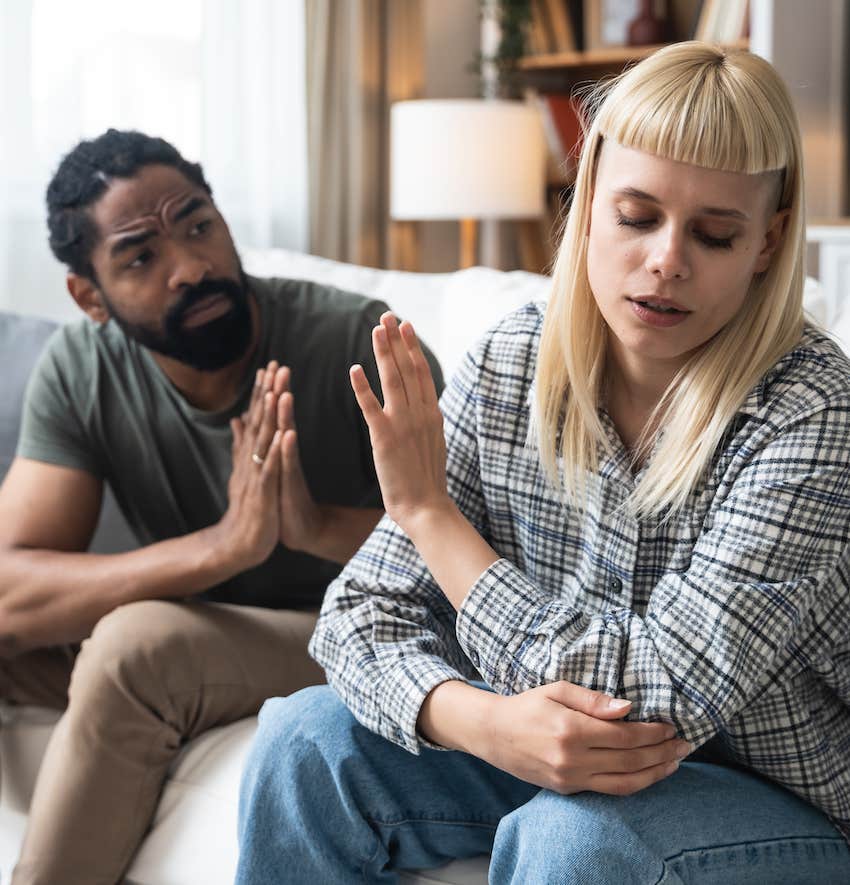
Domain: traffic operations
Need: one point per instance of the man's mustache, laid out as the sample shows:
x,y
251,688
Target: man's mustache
x,y
192,295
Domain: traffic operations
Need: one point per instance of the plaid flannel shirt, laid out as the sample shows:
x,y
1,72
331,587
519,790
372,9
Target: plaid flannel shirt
x,y
731,620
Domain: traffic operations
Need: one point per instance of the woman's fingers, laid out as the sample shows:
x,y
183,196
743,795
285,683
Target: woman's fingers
x,y
631,761
427,390
401,357
392,385
626,784
366,399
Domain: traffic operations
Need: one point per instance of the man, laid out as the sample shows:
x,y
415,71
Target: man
x,y
183,395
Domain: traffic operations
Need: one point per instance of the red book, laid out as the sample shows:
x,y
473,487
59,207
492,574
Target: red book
x,y
566,114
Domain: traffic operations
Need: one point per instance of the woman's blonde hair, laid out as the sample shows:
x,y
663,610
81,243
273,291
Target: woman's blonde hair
x,y
711,107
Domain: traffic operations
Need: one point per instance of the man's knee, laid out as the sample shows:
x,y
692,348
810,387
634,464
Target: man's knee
x,y
134,649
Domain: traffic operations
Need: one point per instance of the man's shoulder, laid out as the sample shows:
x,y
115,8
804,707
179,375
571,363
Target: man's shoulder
x,y
76,347
312,300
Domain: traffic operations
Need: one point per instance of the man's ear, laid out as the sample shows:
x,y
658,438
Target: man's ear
x,y
772,238
88,297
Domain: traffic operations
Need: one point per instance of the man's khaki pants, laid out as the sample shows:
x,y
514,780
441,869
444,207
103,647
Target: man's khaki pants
x,y
151,676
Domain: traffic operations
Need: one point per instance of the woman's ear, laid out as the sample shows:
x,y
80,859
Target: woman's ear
x,y
88,297
772,238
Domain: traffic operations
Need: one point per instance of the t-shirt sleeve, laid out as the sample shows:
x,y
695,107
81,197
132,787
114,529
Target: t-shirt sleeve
x,y
53,426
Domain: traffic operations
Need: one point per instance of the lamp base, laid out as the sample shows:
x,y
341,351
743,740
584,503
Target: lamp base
x,y
468,242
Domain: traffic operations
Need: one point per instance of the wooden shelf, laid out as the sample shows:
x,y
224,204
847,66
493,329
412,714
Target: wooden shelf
x,y
598,58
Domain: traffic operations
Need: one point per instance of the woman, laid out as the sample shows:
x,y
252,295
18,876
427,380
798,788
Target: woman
x,y
641,509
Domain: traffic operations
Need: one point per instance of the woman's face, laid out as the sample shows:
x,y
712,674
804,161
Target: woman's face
x,y
672,249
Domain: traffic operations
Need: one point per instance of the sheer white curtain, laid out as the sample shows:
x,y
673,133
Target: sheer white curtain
x,y
222,80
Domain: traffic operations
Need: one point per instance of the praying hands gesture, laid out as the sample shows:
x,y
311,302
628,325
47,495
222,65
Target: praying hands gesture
x,y
269,499
265,444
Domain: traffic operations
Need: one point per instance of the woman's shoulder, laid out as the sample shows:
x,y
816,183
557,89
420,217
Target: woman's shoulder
x,y
512,340
812,377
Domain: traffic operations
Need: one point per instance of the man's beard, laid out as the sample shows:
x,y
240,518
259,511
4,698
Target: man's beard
x,y
208,347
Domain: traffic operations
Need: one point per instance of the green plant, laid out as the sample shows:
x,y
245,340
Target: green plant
x,y
513,18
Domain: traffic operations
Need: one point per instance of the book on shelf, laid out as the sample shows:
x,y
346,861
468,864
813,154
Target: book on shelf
x,y
561,119
561,27
550,28
538,31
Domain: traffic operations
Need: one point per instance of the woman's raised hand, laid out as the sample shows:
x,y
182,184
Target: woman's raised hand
x,y
407,431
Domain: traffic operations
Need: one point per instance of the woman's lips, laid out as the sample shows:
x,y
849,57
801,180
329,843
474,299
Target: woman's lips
x,y
207,309
658,312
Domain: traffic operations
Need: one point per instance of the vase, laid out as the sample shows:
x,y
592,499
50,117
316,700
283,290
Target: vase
x,y
647,28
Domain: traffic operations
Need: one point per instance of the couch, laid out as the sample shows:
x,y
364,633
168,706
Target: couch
x,y
192,840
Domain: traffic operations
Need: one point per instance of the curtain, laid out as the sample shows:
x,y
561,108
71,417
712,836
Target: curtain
x,y
254,145
362,55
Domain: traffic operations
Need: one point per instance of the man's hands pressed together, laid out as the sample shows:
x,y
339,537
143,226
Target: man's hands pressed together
x,y
250,527
269,501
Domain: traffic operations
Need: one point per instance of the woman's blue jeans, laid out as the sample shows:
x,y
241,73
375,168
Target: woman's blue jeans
x,y
326,802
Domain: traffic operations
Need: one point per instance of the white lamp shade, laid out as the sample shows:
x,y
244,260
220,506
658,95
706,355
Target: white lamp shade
x,y
466,159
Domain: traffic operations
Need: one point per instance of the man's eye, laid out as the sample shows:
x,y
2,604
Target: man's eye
x,y
200,228
141,259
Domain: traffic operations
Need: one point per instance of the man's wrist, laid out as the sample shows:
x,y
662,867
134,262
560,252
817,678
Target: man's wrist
x,y
220,557
316,533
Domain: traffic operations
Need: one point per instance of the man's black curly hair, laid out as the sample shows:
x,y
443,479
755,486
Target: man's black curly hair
x,y
84,175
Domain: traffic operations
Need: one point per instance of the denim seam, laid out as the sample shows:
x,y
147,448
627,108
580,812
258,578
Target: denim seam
x,y
406,820
826,840
428,820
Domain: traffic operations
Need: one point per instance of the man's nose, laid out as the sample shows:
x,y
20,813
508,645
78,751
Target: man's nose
x,y
188,269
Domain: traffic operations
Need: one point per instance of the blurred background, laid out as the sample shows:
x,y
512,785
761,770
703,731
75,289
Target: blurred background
x,y
288,104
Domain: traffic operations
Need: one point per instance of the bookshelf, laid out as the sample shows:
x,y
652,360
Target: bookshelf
x,y
810,53
607,57
567,46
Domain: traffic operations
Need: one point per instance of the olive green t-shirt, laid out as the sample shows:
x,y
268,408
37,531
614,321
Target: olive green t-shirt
x,y
98,402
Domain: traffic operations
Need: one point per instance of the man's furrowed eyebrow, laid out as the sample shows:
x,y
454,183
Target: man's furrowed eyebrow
x,y
129,242
189,207
719,211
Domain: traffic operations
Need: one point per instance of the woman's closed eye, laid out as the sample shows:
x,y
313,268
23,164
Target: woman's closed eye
x,y
707,239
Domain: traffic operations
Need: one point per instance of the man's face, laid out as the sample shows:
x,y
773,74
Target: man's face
x,y
167,269
671,235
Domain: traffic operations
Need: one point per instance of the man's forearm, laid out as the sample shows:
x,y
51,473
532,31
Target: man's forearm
x,y
342,532
49,597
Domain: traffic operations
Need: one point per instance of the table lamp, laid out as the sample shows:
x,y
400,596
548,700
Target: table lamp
x,y
466,160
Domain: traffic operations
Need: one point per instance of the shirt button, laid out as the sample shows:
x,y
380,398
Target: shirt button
x,y
615,585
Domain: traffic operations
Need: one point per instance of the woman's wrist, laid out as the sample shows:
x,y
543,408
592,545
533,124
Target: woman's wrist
x,y
455,715
424,522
